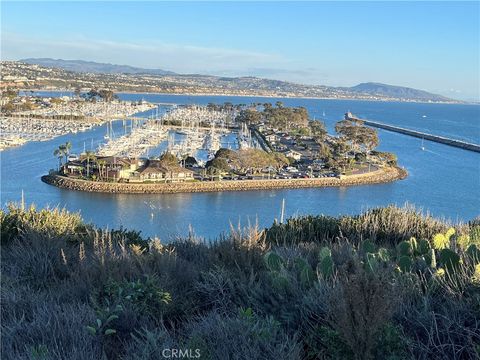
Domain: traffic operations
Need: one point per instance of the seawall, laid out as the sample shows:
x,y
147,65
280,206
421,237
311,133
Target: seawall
x,y
436,138
383,175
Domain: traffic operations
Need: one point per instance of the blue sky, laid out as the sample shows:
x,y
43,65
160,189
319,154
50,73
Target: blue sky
x,y
433,46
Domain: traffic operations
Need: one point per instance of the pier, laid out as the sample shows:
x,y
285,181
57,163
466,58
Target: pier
x,y
418,134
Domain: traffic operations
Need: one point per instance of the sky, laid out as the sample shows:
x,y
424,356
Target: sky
x,y
434,46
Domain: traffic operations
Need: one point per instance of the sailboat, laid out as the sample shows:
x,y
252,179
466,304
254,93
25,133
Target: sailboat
x,y
109,133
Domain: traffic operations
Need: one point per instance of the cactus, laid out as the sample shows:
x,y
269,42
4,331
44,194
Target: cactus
x,y
324,252
433,259
325,266
300,264
440,242
368,246
450,232
405,263
404,248
307,276
473,253
383,254
280,282
476,274
413,245
449,259
463,241
372,261
423,247
440,272
273,261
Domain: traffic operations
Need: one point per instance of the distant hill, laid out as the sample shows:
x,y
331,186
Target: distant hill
x,y
399,92
93,67
153,80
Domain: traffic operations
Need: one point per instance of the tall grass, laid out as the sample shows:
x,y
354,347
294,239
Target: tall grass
x,y
72,291
384,226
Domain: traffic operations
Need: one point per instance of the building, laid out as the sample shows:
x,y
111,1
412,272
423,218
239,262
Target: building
x,y
293,154
154,170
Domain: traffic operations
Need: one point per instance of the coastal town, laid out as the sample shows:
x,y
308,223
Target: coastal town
x,y
190,143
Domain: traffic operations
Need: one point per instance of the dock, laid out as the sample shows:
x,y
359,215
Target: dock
x,y
418,134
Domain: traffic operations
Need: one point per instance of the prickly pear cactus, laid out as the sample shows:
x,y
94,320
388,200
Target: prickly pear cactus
x,y
450,232
413,245
325,266
473,253
440,242
433,259
273,261
449,259
368,247
463,241
405,263
423,247
307,276
404,248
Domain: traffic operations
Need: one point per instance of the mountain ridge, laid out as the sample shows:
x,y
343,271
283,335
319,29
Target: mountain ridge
x,y
170,79
94,67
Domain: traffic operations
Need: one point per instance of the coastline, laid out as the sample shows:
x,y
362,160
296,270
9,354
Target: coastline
x,y
459,102
380,176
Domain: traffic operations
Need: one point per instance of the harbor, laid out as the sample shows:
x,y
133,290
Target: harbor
x,y
50,118
185,131
22,168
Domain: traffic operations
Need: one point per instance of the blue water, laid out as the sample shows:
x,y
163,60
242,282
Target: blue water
x,y
442,180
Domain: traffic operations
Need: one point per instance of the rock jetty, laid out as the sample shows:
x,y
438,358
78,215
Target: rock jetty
x,y
383,175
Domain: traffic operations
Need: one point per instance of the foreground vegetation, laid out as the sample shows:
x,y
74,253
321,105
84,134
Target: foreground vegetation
x,y
387,284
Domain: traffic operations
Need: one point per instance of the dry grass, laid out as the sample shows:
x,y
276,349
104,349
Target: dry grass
x,y
223,297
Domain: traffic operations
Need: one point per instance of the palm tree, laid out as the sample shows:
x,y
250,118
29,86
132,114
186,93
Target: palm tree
x,y
58,153
67,147
90,155
101,165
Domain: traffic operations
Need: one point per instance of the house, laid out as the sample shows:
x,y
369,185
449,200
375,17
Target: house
x,y
272,138
293,154
154,170
74,168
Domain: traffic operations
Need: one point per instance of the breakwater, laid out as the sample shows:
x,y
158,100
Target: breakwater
x,y
436,138
383,175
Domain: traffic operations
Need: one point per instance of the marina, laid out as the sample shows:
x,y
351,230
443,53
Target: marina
x,y
184,131
51,120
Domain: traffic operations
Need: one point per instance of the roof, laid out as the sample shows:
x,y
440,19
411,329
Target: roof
x,y
155,167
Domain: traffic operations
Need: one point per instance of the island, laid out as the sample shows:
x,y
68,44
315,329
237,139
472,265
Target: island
x,y
228,148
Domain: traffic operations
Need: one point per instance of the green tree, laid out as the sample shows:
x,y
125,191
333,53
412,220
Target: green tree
x,y
217,166
169,161
90,157
318,130
249,116
59,153
67,147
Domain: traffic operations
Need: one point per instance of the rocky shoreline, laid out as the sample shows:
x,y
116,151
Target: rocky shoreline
x,y
383,175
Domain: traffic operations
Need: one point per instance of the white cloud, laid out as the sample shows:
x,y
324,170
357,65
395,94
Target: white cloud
x,y
180,58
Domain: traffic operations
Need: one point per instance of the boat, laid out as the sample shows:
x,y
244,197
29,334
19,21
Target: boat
x,y
422,147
